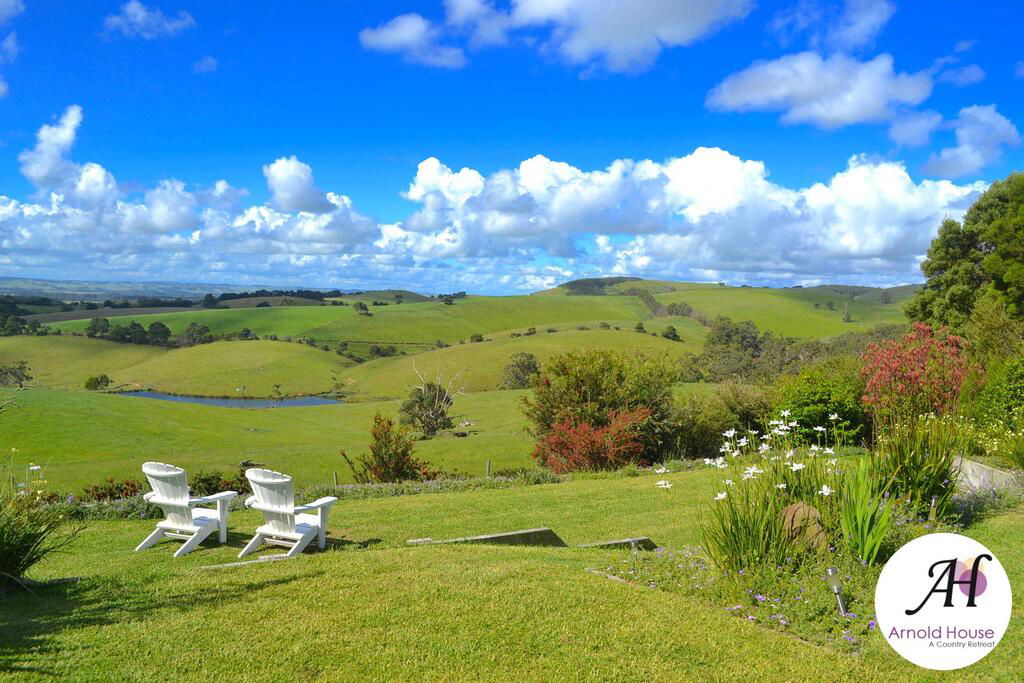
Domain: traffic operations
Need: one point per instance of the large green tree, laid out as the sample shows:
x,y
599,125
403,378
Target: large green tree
x,y
985,252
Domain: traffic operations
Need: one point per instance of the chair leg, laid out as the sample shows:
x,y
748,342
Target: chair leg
x,y
151,540
301,544
196,539
256,542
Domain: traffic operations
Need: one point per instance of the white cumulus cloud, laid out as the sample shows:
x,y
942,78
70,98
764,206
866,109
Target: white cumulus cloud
x,y
293,188
416,39
828,92
135,20
981,133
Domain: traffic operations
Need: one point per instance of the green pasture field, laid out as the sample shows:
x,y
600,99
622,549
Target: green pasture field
x,y
424,322
81,438
216,369
371,608
480,366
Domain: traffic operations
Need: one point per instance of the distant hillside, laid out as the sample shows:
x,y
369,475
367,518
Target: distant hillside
x,y
82,290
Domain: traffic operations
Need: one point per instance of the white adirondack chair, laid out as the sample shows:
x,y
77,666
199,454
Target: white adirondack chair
x,y
286,525
183,518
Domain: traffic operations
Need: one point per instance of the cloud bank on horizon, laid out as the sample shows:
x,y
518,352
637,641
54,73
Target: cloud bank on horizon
x,y
701,214
707,214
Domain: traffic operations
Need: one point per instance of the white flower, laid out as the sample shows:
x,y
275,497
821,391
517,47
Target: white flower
x,y
825,490
729,434
742,442
832,461
736,454
709,461
661,470
790,454
815,448
785,413
721,495
35,467
724,448
752,472
729,482
764,448
793,424
834,416
663,484
797,466
829,451
14,450
819,428
721,464
780,486
765,437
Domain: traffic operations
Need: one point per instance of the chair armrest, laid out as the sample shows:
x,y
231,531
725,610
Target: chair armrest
x,y
317,504
148,496
223,495
250,501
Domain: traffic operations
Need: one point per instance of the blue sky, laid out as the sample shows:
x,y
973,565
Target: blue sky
x,y
497,146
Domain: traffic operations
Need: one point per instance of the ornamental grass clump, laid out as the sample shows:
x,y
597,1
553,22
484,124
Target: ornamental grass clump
x,y
864,513
915,458
30,531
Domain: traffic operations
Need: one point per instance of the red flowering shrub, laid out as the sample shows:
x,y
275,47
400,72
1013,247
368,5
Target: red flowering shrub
x,y
569,448
113,490
918,373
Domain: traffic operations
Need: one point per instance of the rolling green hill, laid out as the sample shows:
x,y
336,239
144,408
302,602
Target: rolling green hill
x,y
424,322
479,366
207,370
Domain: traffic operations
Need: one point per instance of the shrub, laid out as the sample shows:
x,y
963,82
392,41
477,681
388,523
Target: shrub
x,y
427,408
520,372
15,375
476,338
699,420
570,448
203,483
390,457
590,387
670,333
832,387
114,490
1001,400
918,373
97,383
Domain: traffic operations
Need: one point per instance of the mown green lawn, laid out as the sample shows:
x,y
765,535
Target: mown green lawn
x,y
371,608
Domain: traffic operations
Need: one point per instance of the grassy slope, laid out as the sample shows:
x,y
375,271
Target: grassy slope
x,y
217,369
790,312
480,366
206,370
414,322
82,438
68,361
369,608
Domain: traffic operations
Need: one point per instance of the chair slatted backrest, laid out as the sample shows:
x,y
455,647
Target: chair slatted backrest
x,y
275,492
170,484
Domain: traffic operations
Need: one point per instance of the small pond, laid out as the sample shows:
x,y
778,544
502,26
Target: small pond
x,y
297,402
